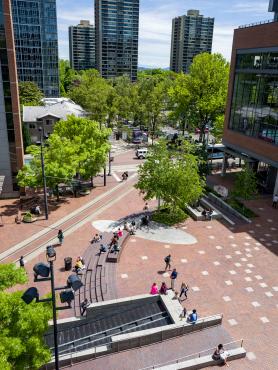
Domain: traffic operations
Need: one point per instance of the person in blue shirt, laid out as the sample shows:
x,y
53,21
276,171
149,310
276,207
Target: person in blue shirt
x,y
173,277
193,317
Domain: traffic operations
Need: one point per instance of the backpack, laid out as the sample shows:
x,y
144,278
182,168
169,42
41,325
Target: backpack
x,y
167,259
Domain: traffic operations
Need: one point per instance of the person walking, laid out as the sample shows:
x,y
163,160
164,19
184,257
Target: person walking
x,y
173,277
275,201
60,236
184,289
21,262
167,261
84,306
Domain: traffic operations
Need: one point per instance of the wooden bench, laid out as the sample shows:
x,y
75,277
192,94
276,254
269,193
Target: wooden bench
x,y
204,361
114,257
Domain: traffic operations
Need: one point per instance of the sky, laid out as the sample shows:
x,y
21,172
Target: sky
x,y
156,23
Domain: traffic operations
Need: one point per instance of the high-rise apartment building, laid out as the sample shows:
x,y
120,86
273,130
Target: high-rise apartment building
x,y
36,43
117,25
251,120
82,46
191,35
11,147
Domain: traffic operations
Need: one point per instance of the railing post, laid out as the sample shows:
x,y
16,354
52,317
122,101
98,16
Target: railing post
x,y
241,343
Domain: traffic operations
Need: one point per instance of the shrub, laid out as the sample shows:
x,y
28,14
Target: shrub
x,y
169,216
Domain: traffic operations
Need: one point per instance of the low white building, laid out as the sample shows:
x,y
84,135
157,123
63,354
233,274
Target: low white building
x,y
45,116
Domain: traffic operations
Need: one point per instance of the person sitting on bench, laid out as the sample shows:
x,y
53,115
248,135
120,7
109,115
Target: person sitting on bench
x,y
193,317
103,248
96,238
220,354
114,240
79,265
115,247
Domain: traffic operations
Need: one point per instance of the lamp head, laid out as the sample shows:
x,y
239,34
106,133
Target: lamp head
x,y
50,253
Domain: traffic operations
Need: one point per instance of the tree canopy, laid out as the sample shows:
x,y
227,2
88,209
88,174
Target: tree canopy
x,y
171,176
76,145
67,76
30,94
92,93
21,326
246,184
208,86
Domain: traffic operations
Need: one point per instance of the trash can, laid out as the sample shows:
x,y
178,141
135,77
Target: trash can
x,y
68,263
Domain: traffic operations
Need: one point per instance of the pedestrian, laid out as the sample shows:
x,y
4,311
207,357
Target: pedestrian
x,y
146,207
119,232
154,289
173,277
221,354
184,290
60,236
163,289
21,262
84,305
167,261
275,201
193,317
183,313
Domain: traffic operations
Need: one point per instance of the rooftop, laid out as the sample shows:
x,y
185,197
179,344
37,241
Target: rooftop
x,y
56,107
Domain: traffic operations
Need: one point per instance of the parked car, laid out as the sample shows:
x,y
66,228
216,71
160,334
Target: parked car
x,y
141,153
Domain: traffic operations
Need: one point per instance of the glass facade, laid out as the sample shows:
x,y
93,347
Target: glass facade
x,y
117,25
254,110
36,43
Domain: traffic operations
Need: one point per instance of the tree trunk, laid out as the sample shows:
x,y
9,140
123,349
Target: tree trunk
x,y
57,193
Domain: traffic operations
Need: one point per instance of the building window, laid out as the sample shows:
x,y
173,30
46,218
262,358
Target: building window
x,y
254,110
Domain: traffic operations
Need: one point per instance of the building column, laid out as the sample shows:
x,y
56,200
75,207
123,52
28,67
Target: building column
x,y
276,184
224,165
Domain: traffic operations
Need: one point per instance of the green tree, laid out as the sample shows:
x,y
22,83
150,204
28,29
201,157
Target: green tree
x,y
22,326
180,100
76,145
208,86
171,176
126,99
89,144
246,184
11,275
30,94
92,93
67,76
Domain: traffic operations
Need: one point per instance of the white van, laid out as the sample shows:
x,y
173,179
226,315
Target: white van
x,y
141,153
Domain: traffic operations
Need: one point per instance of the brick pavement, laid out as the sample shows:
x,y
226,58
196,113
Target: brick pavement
x,y
233,271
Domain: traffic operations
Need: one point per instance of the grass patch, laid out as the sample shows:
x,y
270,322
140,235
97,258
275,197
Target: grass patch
x,y
240,207
169,216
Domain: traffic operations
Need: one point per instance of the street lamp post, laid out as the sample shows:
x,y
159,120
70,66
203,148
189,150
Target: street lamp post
x,y
43,175
110,160
51,256
46,273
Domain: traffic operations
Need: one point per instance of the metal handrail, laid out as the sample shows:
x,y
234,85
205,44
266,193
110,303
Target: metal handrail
x,y
256,23
105,331
92,341
96,320
181,359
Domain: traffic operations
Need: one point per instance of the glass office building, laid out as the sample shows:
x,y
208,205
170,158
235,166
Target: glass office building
x,y
82,46
36,43
191,35
254,110
117,25
11,147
